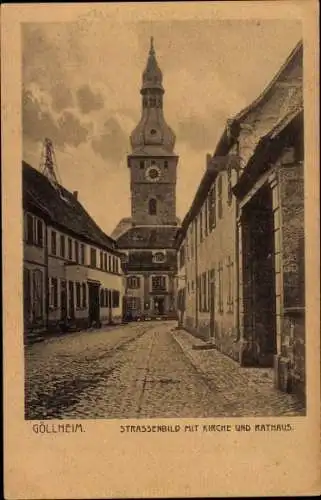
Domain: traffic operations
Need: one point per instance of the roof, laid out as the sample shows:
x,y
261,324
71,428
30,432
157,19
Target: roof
x,y
230,132
64,211
296,52
266,151
148,237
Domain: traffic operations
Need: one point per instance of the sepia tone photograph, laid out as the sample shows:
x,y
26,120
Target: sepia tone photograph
x,y
163,219
161,293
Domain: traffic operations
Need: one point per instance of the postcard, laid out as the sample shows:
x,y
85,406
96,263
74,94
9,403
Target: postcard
x,y
161,258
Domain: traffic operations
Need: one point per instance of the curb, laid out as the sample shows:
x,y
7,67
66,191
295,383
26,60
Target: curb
x,y
190,357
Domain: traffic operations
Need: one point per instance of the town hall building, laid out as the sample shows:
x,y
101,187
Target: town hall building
x,y
146,238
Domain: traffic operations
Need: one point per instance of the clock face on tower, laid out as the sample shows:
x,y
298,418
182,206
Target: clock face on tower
x,y
153,173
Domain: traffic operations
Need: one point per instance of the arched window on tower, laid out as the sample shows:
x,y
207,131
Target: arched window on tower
x,y
152,206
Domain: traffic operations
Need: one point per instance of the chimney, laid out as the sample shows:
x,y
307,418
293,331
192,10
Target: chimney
x,y
208,160
75,194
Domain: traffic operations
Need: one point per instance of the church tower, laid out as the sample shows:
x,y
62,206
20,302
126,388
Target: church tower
x,y
146,239
152,161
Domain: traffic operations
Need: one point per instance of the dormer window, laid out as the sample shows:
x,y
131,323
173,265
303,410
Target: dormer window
x,y
153,131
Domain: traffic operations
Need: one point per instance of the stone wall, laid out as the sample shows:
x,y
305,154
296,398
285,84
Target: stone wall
x,y
166,203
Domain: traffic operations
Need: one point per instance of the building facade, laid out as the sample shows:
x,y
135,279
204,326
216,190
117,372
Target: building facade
x,y
244,259
207,259
147,236
72,269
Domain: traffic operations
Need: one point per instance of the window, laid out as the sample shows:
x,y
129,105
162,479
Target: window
x,y
212,208
199,290
115,298
204,292
93,257
201,225
165,164
106,297
133,282
53,293
105,261
82,253
69,248
84,295
62,246
220,203
29,224
220,287
182,257
142,164
229,267
114,264
206,218
39,232
192,241
78,295
53,242
77,252
117,264
101,260
133,303
152,206
34,231
229,185
37,297
101,298
109,263
158,283
159,257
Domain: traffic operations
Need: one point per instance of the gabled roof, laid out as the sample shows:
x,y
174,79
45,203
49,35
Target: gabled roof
x,y
61,209
231,130
267,151
297,52
148,237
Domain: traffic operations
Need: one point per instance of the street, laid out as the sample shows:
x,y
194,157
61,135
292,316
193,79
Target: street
x,y
143,370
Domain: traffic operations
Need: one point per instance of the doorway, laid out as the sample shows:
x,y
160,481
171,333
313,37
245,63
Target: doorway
x,y
94,306
259,294
159,305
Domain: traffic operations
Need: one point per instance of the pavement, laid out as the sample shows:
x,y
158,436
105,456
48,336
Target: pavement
x,y
144,370
247,391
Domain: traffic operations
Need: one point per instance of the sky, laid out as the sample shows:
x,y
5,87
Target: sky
x,y
81,82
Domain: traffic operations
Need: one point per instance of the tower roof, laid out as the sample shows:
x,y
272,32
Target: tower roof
x,y
152,75
152,135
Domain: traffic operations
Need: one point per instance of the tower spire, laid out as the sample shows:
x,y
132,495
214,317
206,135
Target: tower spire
x,y
152,50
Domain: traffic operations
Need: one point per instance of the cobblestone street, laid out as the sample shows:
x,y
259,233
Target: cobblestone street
x,y
143,370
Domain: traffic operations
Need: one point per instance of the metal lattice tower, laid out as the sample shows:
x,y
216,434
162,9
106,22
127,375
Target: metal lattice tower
x,y
48,164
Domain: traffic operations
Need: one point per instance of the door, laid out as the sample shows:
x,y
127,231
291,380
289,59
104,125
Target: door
x,y
63,300
94,307
160,306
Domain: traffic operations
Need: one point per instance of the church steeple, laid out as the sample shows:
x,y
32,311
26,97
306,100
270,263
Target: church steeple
x,y
152,129
152,75
152,162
